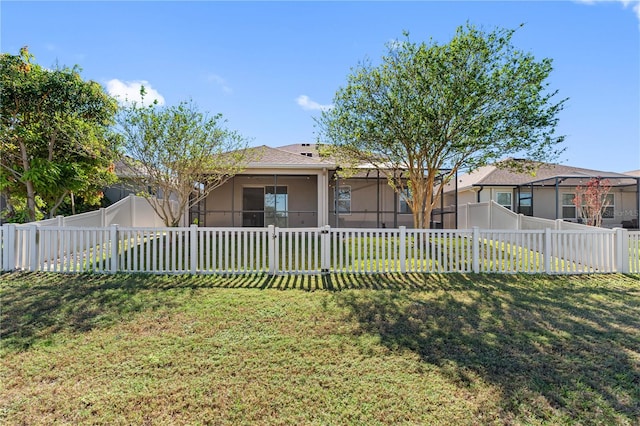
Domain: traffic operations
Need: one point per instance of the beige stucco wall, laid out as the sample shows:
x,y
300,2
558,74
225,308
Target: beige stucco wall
x,y
624,207
364,200
302,199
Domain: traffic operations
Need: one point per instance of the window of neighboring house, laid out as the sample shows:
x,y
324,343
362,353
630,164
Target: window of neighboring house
x,y
504,199
568,208
403,206
524,202
343,203
608,211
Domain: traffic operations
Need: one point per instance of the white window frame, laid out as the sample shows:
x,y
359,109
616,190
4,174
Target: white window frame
x,y
563,205
612,204
338,199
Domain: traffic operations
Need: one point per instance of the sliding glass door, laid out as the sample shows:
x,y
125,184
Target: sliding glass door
x,y
264,206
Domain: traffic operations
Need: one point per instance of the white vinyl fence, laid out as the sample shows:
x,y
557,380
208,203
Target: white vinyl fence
x,y
130,211
273,250
491,215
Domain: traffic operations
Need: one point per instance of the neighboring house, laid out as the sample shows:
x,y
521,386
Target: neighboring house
x,y
548,193
293,186
127,183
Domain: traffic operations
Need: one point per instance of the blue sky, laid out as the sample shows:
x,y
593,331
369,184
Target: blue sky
x,y
269,67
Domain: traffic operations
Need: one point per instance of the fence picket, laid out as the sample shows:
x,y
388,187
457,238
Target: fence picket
x,y
315,250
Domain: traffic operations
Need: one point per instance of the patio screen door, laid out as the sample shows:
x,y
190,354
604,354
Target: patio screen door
x,y
253,207
263,206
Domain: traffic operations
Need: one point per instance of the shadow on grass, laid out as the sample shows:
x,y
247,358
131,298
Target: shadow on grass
x,y
551,344
34,306
567,345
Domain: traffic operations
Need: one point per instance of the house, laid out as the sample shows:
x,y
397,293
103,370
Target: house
x,y
293,186
127,183
548,193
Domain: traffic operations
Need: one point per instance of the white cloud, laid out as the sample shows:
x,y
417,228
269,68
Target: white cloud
x,y
215,78
309,105
129,91
635,4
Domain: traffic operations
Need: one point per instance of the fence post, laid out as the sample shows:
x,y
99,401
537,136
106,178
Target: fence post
x,y
403,249
622,250
33,248
60,220
9,247
547,251
113,236
558,224
325,249
103,217
476,250
272,249
193,248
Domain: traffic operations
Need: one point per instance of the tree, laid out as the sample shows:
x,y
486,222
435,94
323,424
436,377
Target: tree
x,y
178,154
591,200
54,136
430,107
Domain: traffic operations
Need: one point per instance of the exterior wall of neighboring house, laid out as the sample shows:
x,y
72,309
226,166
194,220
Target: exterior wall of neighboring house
x,y
118,191
544,202
624,200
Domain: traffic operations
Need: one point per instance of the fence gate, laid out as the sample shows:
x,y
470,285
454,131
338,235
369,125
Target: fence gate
x,y
300,250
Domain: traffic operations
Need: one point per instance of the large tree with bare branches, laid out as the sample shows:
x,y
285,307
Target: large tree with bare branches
x,y
457,106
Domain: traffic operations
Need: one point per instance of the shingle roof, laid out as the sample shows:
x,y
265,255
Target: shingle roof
x,y
283,157
546,173
302,148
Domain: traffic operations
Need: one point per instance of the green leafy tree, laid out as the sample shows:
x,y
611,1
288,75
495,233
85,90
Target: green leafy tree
x,y
54,137
458,106
177,155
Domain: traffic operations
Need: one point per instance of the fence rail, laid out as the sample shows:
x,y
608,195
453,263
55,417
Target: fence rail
x,y
315,250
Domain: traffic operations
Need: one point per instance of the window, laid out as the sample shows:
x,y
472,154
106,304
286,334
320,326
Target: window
x,y
524,203
568,208
504,199
343,203
276,205
403,206
608,211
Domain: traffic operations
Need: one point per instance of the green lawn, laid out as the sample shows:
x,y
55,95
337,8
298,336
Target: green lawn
x,y
339,349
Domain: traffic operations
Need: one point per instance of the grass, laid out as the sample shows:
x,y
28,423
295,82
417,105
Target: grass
x,y
337,349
